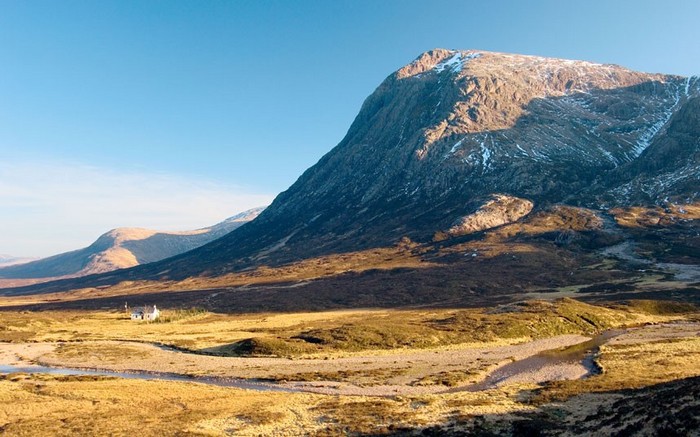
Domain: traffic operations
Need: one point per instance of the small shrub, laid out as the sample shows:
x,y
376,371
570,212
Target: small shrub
x,y
661,307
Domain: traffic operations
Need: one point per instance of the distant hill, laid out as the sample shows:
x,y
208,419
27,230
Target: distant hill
x,y
122,248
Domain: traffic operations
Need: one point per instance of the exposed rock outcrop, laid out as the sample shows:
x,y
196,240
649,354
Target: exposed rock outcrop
x,y
499,211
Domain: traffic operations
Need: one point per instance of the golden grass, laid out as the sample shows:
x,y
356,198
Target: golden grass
x,y
403,255
635,217
633,366
651,363
101,353
60,406
390,330
330,333
48,405
200,331
70,405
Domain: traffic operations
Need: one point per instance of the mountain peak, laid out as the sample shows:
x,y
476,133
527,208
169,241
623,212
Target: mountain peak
x,y
446,132
245,216
482,92
580,75
438,60
9,260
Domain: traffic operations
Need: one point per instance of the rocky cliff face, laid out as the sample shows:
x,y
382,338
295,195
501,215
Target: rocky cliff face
x,y
125,247
443,135
669,169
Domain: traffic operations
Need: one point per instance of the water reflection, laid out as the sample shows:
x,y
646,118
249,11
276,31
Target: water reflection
x,y
221,382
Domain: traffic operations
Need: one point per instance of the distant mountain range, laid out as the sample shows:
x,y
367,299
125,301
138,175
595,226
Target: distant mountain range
x,y
479,152
9,260
122,248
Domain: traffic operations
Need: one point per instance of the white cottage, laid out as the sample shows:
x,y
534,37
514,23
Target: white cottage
x,y
147,312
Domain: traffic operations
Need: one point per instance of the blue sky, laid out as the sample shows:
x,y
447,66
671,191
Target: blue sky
x,y
103,102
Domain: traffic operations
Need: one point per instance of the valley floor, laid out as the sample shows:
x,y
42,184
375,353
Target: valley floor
x,y
388,374
380,390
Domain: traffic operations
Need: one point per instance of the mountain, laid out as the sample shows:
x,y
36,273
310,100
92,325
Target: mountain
x,y
9,260
529,166
443,135
124,247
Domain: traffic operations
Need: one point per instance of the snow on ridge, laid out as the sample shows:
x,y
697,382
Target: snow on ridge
x,y
645,139
456,62
609,156
454,148
452,63
553,61
691,85
658,185
485,153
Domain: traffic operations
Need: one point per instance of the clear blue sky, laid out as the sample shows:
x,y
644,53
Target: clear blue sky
x,y
233,100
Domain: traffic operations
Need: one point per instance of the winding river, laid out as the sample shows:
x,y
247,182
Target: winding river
x,y
547,363
248,384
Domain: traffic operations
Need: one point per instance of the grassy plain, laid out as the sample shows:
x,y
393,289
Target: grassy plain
x,y
329,333
50,405
74,405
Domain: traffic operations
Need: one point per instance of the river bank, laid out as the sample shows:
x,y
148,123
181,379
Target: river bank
x,y
409,372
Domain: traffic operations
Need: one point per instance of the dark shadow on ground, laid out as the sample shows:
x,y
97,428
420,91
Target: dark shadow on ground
x,y
467,284
667,409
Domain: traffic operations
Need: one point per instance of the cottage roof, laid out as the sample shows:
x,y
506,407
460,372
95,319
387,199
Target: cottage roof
x,y
148,309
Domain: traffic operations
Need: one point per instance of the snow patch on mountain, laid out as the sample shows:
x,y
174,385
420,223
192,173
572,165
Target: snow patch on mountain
x,y
663,185
646,138
454,148
456,62
485,155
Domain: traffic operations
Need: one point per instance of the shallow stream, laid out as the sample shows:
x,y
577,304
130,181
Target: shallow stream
x,y
248,384
582,353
